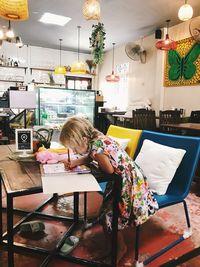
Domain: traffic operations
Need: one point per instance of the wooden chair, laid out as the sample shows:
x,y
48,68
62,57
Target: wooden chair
x,y
169,117
144,119
195,116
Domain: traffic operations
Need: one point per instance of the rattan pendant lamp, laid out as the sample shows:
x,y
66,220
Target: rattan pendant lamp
x,y
112,77
91,10
14,10
60,69
78,67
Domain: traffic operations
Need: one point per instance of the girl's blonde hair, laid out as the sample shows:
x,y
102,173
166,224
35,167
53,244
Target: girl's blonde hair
x,y
75,128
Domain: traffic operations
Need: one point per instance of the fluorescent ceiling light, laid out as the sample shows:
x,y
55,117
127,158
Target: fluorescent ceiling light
x,y
54,19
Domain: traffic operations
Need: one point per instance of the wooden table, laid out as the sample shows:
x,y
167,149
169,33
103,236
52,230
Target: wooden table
x,y
184,126
24,178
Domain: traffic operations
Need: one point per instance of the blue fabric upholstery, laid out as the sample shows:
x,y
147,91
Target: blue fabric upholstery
x,y
180,185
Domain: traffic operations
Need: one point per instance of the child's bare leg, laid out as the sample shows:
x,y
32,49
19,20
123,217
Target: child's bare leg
x,y
121,245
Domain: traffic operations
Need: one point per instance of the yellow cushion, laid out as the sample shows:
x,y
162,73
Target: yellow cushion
x,y
121,132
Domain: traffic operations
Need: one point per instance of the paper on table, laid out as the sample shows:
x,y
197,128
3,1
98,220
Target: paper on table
x,y
69,183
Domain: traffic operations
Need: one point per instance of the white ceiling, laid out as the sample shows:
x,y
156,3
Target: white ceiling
x,y
124,20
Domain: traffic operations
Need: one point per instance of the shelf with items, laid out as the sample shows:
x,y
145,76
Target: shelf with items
x,y
12,81
46,76
67,73
40,69
54,84
14,67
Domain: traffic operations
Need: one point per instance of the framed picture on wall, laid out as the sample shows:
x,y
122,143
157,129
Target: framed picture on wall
x,y
182,66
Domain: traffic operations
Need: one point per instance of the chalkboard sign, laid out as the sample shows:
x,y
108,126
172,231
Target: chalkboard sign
x,y
24,140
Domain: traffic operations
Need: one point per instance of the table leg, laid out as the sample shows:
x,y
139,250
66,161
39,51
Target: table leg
x,y
76,207
117,190
10,230
1,224
85,206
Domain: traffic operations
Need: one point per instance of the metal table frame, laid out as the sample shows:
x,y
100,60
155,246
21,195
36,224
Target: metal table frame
x,y
7,238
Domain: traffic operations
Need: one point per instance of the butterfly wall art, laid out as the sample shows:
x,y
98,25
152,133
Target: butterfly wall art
x,y
182,66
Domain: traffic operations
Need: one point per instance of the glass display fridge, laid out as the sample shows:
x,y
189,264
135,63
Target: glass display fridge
x,y
54,105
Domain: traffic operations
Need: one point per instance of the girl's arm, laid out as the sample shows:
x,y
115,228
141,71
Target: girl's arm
x,y
76,162
104,163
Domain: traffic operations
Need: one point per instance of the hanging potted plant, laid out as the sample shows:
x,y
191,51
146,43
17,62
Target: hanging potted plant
x,y
97,42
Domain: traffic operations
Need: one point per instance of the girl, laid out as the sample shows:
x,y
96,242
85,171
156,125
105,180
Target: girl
x,y
137,202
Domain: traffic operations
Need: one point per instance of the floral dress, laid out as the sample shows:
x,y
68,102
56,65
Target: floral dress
x,y
137,202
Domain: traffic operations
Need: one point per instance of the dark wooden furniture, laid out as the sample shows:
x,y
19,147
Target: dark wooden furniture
x,y
23,178
187,129
169,117
107,118
4,127
195,116
144,119
183,126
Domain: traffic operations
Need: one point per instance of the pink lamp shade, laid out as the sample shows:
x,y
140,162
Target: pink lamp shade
x,y
166,44
112,78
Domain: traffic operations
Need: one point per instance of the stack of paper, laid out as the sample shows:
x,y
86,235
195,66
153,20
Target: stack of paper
x,y
56,179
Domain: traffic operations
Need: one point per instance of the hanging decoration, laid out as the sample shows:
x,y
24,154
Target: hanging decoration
x,y
182,64
14,10
185,12
112,77
78,67
60,69
97,42
167,44
91,10
7,34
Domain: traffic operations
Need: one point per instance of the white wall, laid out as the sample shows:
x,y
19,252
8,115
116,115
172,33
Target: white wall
x,y
33,56
146,80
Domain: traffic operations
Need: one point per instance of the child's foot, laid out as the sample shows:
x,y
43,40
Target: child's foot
x,y
99,245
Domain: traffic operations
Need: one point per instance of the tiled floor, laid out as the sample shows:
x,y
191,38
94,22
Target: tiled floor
x,y
96,240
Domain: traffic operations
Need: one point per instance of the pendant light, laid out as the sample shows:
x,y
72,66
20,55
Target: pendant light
x,y
185,12
166,44
91,10
78,67
14,10
60,69
112,77
10,33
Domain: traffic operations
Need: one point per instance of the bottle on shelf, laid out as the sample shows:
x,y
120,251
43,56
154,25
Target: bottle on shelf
x,y
2,62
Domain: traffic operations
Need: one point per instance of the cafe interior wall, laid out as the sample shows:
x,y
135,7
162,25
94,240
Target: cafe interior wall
x,y
34,56
146,80
186,97
142,81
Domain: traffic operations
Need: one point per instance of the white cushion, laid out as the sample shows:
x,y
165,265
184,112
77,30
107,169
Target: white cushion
x,y
159,164
123,142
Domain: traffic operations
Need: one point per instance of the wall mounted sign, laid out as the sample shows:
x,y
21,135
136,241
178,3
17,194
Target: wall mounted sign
x,y
182,66
24,141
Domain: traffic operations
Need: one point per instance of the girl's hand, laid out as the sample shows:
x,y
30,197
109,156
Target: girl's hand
x,y
70,164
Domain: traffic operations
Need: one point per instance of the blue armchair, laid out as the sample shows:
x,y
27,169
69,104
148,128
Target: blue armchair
x,y
180,185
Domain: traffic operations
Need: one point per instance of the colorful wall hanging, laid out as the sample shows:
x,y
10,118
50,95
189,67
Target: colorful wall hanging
x,y
182,66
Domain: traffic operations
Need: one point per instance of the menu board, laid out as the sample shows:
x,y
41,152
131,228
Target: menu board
x,y
24,140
